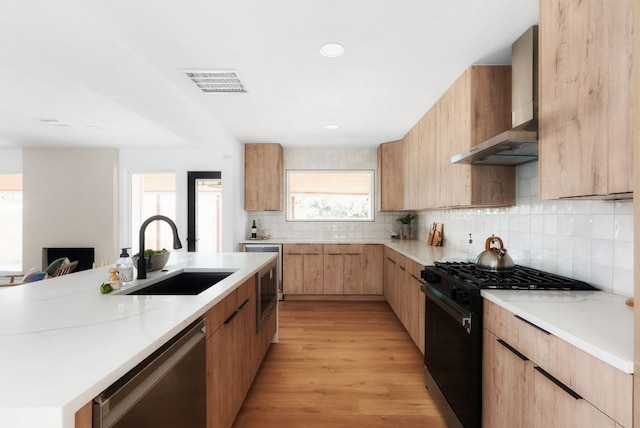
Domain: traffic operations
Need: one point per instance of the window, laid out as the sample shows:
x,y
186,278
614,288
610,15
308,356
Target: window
x,y
330,195
11,224
151,194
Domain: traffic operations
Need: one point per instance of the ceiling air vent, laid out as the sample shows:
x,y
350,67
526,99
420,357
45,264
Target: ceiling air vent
x,y
217,81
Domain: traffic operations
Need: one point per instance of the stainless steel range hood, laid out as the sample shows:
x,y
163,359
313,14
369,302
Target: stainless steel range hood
x,y
519,144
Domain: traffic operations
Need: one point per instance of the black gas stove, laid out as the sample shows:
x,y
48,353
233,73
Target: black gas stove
x,y
453,330
520,278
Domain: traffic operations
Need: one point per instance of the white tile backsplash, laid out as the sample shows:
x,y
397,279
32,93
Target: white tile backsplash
x,y
583,239
274,223
588,240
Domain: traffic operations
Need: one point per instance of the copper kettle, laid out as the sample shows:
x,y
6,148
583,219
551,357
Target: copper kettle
x,y
494,259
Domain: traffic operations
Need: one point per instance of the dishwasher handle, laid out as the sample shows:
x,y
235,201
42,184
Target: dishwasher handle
x,y
116,400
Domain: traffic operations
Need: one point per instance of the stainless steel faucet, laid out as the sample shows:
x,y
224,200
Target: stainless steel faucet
x,y
142,261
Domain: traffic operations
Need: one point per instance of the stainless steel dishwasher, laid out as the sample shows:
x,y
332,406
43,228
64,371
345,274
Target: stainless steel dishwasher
x,y
168,389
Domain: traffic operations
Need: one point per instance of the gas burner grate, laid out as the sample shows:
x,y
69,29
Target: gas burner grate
x,y
521,277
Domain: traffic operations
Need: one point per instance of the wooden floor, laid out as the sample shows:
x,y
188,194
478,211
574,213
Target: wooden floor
x,y
340,364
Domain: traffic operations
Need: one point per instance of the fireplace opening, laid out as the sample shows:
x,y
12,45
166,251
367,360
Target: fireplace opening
x,y
84,255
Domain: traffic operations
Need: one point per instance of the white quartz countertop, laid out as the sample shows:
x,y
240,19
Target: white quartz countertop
x,y
416,250
62,342
596,322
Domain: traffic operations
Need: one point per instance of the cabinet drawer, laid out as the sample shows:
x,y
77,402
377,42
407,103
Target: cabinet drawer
x,y
216,316
526,338
302,248
604,386
336,249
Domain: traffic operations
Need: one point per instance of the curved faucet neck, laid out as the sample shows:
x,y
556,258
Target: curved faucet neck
x,y
142,262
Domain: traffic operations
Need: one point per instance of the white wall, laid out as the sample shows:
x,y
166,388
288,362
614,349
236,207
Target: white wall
x,y
70,199
180,162
10,161
587,240
276,225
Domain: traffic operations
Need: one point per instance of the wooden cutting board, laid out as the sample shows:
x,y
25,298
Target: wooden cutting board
x,y
435,234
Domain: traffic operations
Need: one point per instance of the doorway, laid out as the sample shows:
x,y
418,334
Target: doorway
x,y
204,211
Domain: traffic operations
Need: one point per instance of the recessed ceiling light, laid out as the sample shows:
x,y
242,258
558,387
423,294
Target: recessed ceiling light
x,y
332,50
331,126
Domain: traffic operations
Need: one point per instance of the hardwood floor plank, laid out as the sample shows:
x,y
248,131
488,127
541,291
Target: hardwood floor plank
x,y
340,364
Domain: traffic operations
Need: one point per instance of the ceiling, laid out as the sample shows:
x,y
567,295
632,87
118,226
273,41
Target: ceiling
x,y
111,73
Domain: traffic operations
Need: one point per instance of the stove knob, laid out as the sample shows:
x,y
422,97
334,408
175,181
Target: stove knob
x,y
432,278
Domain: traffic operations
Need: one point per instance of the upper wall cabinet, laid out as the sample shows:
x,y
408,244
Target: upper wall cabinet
x,y
391,167
479,107
476,107
585,99
263,177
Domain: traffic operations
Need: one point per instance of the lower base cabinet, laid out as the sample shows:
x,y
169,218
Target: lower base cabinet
x,y
234,352
402,291
318,270
532,378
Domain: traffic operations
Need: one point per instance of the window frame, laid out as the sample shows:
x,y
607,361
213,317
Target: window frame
x,y
372,202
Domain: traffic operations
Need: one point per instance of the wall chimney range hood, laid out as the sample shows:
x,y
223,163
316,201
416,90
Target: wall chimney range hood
x,y
519,144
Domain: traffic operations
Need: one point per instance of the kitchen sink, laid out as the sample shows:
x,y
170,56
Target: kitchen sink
x,y
185,283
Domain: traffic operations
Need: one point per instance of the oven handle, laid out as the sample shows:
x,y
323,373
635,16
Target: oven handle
x,y
449,306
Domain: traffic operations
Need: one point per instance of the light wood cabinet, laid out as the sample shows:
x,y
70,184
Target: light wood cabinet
x,y
476,107
263,177
507,385
565,382
343,269
427,160
83,417
412,171
418,298
332,270
391,278
585,112
303,269
234,352
391,158
373,269
557,407
402,291
229,362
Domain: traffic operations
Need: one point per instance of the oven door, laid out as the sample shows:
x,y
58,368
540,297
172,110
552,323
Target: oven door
x,y
453,358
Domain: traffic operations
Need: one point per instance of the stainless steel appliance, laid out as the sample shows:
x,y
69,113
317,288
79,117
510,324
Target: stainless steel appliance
x,y
519,144
269,248
453,330
266,292
168,389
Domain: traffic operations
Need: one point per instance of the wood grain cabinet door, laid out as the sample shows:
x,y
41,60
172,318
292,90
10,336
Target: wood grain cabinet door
x,y
263,177
354,270
556,406
585,113
333,269
391,176
292,269
374,269
507,385
313,272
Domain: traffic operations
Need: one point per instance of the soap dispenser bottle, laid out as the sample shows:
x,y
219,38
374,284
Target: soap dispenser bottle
x,y
471,254
124,265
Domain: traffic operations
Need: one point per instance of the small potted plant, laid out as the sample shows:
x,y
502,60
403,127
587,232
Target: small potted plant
x,y
405,222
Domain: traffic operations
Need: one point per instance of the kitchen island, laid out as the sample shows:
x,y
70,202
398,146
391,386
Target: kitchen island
x,y
62,342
